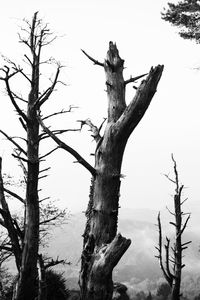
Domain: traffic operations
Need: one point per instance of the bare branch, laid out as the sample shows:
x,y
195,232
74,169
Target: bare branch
x,y
173,214
44,199
44,170
9,222
96,62
133,79
23,124
45,155
133,113
66,147
30,62
22,165
95,131
59,113
41,177
20,232
100,127
44,135
19,98
55,262
21,158
14,143
45,96
14,195
10,93
48,221
25,76
160,258
185,224
167,176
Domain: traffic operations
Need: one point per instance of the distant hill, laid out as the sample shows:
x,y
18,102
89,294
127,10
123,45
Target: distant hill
x,y
139,262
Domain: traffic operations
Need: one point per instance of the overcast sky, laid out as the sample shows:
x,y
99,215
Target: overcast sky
x,y
171,124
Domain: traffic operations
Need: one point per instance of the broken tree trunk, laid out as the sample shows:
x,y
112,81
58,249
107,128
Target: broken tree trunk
x,y
103,247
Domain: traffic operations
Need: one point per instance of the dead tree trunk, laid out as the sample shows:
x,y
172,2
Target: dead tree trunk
x,y
26,250
103,247
27,284
172,269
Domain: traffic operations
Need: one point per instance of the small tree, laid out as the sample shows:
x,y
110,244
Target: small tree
x,y
102,246
173,265
186,16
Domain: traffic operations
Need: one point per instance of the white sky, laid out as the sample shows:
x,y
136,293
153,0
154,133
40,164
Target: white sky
x,y
171,124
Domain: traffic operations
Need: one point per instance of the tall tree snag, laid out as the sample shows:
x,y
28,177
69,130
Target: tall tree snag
x,y
25,245
172,268
102,246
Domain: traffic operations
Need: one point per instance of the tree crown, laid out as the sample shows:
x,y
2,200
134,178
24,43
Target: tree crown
x,y
186,16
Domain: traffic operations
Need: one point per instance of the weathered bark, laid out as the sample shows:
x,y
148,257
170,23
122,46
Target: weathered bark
x,y
102,248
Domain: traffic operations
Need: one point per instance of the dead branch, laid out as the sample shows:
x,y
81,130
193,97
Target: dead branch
x,y
133,79
94,129
20,158
48,153
59,113
96,62
133,113
44,135
166,272
54,262
19,98
10,94
5,212
41,177
14,143
45,96
66,147
14,195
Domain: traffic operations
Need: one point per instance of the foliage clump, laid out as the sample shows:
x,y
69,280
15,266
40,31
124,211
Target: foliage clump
x,y
186,16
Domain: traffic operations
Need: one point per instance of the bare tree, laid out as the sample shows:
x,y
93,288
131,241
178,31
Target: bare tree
x,y
102,246
24,240
173,265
